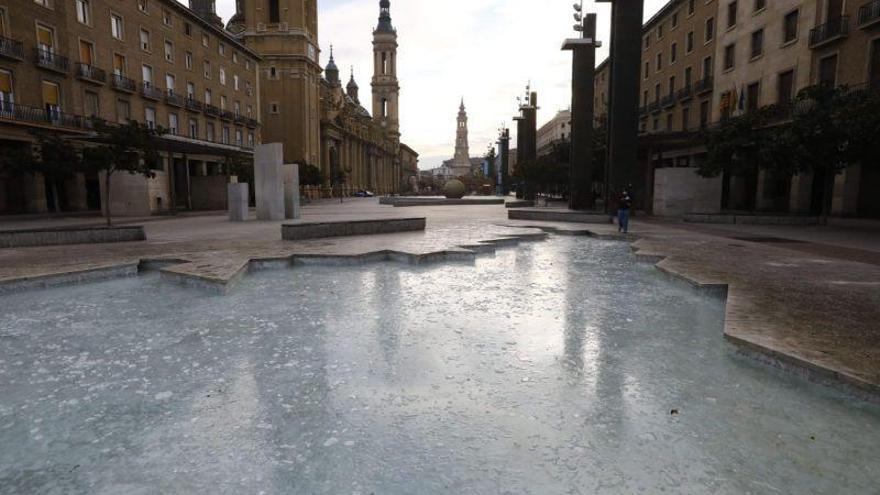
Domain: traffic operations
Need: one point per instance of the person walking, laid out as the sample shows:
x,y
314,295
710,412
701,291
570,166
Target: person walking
x,y
624,203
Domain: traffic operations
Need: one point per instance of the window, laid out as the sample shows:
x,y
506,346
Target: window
x,y
669,119
691,7
250,140
729,56
172,123
685,118
645,97
170,83
647,69
188,60
222,102
671,85
145,40
250,111
207,97
147,75
273,73
116,26
785,87
4,23
274,108
191,91
194,128
238,137
707,66
689,42
86,53
248,89
7,96
209,132
91,104
222,76
753,92
647,42
169,51
660,31
790,27
187,29
688,77
150,117
731,14
675,20
235,82
274,11
247,65
142,6
205,40
656,124
657,92
166,17
758,43
760,5
45,39
659,62
704,114
225,135
123,111
673,53
710,29
221,49
118,64
236,108
84,11
206,67
234,57
828,71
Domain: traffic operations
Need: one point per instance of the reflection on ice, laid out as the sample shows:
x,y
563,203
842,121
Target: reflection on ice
x,y
549,368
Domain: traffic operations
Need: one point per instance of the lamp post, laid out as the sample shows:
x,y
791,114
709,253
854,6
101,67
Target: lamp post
x,y
583,74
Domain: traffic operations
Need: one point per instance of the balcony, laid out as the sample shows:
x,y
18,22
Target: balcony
x,y
51,116
11,49
90,73
173,99
194,105
668,101
869,14
832,30
151,92
252,123
654,107
52,61
122,83
643,109
226,115
240,119
685,93
704,85
211,110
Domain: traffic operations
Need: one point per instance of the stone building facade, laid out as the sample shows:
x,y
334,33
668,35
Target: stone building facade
x,y
155,61
556,130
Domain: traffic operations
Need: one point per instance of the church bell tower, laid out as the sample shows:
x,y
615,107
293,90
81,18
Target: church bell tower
x,y
385,86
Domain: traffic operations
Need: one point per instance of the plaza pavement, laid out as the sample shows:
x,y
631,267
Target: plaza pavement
x,y
803,298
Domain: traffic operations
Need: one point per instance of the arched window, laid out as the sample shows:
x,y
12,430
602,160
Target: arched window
x,y
384,108
274,11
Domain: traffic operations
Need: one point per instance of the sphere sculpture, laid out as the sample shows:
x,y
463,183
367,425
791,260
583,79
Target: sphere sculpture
x,y
454,189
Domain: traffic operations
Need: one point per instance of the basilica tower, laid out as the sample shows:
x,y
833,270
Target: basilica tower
x,y
461,161
385,86
285,34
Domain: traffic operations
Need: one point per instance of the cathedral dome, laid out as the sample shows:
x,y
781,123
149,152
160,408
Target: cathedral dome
x,y
331,71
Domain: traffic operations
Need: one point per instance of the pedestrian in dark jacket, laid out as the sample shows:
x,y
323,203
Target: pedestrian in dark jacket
x,y
624,203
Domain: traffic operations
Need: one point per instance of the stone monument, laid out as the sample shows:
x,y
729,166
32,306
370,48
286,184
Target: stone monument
x,y
291,191
269,181
238,195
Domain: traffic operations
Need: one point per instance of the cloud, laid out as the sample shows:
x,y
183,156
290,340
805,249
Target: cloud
x,y
483,50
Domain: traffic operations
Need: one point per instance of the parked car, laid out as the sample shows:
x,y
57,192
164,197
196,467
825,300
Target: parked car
x,y
363,194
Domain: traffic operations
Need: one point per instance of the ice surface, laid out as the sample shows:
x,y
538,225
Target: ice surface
x,y
555,367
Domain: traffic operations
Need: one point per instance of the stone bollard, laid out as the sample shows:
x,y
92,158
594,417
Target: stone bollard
x,y
291,191
269,181
238,196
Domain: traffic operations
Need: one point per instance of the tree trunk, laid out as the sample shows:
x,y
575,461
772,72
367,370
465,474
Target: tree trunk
x,y
55,197
829,193
107,198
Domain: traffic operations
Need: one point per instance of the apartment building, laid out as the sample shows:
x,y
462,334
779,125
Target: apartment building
x,y
556,130
845,44
154,61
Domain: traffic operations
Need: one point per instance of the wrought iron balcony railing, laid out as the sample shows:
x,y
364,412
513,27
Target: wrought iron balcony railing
x,y
11,48
240,119
685,93
122,83
252,123
150,91
869,13
704,85
211,110
194,104
832,30
52,61
668,100
50,115
173,98
226,115
90,73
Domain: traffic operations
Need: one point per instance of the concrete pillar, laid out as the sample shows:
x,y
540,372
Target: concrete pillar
x,y
238,196
76,192
269,182
291,191
504,151
582,91
34,193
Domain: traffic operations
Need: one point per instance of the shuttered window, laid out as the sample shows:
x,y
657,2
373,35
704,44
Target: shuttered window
x,y
50,94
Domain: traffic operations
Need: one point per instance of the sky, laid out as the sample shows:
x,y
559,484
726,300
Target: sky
x,y
484,51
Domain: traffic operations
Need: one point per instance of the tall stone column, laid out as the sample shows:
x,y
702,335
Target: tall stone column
x,y
504,151
623,112
583,73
